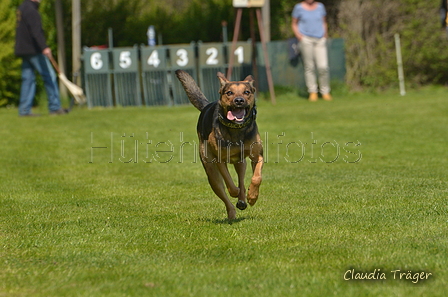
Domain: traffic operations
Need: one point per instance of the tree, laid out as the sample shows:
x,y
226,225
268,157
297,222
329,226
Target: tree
x,y
9,64
368,28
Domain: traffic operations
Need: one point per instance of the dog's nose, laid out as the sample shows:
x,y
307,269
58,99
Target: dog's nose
x,y
238,101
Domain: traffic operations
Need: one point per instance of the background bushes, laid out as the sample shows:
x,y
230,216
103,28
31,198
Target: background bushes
x,y
368,28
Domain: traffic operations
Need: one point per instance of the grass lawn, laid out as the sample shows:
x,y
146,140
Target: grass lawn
x,y
114,202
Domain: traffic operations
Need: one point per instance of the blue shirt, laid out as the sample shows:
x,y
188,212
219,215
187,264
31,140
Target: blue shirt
x,y
311,22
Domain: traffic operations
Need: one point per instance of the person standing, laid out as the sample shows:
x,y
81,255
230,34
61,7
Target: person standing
x,y
309,25
31,46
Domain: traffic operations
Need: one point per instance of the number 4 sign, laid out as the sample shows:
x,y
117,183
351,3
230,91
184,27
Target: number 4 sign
x,y
153,58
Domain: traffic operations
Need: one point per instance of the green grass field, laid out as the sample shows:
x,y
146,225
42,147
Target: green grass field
x,y
114,202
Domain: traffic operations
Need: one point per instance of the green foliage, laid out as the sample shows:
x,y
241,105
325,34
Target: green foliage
x,y
202,20
73,228
369,28
47,12
9,64
424,45
199,20
121,17
10,72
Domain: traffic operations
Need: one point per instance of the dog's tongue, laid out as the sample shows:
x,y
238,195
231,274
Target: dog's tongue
x,y
237,114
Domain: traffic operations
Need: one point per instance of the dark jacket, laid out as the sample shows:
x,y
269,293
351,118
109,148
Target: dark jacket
x,y
30,38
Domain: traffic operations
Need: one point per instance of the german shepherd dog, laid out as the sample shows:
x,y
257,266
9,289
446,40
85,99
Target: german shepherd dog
x,y
228,133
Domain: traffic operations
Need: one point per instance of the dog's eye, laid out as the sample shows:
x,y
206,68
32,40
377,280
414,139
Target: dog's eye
x,y
229,93
246,93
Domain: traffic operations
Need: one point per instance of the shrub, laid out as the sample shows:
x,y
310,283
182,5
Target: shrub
x,y
369,28
9,64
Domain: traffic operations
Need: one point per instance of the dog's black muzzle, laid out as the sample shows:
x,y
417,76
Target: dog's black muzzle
x,y
239,102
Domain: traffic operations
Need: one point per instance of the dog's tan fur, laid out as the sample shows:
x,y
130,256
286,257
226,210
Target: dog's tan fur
x,y
225,138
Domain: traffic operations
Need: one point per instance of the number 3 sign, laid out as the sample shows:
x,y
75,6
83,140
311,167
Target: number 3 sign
x,y
182,56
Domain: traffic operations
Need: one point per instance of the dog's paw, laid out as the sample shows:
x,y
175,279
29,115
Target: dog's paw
x,y
252,195
242,205
231,215
252,201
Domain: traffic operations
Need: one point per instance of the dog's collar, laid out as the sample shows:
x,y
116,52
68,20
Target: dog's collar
x,y
233,125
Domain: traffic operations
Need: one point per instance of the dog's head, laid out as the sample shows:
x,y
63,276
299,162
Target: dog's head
x,y
237,98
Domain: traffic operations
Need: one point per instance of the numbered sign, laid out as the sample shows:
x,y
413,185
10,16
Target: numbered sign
x,y
125,59
96,61
182,56
154,58
248,3
242,53
211,54
98,83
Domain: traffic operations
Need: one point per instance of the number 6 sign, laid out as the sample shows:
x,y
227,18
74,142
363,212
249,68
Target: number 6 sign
x,y
96,61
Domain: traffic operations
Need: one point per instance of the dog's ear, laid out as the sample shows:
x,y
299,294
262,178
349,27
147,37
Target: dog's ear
x,y
249,79
223,80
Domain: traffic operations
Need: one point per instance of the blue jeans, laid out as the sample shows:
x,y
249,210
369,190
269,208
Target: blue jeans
x,y
41,64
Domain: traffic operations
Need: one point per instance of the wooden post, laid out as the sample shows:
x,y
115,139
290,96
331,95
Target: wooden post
x,y
76,40
399,64
236,31
265,50
266,57
254,46
61,44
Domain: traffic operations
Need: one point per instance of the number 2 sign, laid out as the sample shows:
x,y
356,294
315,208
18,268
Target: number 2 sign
x,y
211,54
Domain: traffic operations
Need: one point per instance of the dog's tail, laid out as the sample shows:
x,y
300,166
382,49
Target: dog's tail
x,y
194,93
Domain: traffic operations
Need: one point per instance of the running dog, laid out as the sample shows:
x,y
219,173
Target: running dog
x,y
228,133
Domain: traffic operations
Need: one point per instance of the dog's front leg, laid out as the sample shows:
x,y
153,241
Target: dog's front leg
x,y
216,182
240,169
257,165
233,190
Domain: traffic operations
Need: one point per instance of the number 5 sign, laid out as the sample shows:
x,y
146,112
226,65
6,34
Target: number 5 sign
x,y
125,59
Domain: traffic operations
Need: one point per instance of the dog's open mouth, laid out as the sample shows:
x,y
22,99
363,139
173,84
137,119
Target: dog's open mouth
x,y
236,114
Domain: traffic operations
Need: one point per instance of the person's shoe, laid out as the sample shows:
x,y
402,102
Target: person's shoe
x,y
29,115
327,97
60,111
312,97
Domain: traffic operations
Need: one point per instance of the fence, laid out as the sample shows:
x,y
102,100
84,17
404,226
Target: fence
x,y
145,75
